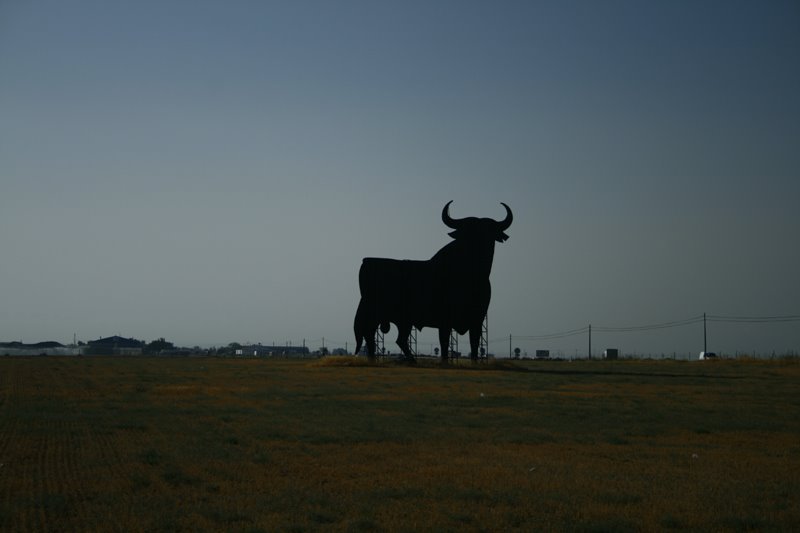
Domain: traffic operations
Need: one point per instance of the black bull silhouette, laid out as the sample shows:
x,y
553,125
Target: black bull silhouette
x,y
450,291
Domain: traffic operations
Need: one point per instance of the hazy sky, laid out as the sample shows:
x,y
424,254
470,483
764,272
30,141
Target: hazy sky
x,y
215,171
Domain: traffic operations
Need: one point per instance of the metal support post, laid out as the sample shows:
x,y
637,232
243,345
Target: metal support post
x,y
454,344
380,349
483,346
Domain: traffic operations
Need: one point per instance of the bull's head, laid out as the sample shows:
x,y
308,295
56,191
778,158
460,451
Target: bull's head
x,y
477,228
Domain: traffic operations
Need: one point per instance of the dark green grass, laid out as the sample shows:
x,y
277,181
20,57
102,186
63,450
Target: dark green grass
x,y
215,444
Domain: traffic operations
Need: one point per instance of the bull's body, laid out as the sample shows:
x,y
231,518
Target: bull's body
x,y
450,291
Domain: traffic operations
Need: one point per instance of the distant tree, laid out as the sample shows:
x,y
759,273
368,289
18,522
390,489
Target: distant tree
x,y
516,353
230,349
158,345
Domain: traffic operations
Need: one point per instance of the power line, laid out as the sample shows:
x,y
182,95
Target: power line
x,y
754,319
649,327
609,329
570,333
662,325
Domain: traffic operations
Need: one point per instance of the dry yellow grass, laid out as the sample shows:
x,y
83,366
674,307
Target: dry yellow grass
x,y
141,444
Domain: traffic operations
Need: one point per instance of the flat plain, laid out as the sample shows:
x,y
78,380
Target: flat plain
x,y
212,444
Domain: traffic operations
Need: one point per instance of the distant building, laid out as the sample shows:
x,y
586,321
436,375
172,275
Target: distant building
x,y
260,350
611,353
542,354
115,345
38,348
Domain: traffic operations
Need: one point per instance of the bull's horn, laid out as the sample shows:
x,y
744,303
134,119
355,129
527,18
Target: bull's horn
x,y
449,222
503,225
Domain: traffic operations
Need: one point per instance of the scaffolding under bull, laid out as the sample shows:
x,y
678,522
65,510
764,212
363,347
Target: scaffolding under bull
x,y
483,349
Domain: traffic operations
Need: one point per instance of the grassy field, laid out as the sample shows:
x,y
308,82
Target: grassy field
x,y
146,444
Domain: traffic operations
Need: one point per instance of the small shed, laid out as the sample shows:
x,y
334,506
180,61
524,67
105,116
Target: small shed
x,y
611,353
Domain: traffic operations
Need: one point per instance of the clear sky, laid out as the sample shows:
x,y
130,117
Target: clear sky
x,y
214,172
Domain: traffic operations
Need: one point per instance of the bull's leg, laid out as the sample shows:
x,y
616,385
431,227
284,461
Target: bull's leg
x,y
403,332
474,342
370,339
364,328
444,342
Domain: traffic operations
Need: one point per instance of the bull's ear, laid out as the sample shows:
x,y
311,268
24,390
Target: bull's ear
x,y
501,237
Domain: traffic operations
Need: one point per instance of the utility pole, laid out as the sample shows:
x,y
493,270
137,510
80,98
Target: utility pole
x,y
590,341
705,345
509,346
